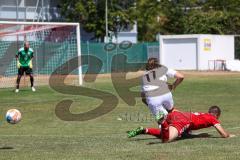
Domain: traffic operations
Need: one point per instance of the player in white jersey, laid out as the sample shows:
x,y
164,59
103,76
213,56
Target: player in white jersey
x,y
156,91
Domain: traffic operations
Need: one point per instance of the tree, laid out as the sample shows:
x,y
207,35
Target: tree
x,y
91,14
146,14
156,16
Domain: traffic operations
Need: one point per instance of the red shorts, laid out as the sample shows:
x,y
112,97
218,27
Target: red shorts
x,y
178,120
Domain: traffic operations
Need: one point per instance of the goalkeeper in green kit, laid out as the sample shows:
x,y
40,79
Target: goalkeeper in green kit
x,y
24,64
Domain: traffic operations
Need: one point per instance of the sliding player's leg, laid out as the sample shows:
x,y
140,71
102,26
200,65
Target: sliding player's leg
x,y
174,126
171,128
169,134
135,132
140,130
153,131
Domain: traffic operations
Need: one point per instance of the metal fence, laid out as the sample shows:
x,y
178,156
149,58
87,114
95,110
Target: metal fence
x,y
134,53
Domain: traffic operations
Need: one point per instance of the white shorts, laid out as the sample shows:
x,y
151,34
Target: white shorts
x,y
160,103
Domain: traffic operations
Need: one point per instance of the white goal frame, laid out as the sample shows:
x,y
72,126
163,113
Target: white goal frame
x,y
77,25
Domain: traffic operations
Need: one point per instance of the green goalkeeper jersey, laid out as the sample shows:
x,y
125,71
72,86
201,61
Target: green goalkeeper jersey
x,y
25,57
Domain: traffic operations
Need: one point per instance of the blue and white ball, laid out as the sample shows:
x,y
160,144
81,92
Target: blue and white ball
x,y
13,116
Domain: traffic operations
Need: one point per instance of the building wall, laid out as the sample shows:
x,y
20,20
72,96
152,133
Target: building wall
x,y
208,49
215,47
179,51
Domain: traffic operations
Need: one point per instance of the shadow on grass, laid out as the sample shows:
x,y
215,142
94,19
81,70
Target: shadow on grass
x,y
6,148
24,90
201,135
185,137
144,139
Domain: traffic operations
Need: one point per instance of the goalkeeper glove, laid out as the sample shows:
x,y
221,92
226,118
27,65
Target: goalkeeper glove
x,y
30,64
18,64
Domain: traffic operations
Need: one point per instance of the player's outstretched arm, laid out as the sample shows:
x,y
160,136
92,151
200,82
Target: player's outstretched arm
x,y
222,132
179,78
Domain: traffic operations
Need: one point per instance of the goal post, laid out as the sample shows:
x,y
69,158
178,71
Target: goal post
x,y
80,78
54,43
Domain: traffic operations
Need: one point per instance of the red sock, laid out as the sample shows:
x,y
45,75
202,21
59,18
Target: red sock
x,y
165,131
153,131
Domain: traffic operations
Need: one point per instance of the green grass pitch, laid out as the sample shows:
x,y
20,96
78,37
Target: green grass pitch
x,y
41,135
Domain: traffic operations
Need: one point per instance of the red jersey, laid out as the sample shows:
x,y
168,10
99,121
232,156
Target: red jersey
x,y
202,120
191,121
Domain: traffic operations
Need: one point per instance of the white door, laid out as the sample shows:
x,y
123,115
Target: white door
x,y
180,54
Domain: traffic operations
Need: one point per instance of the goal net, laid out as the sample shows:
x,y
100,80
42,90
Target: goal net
x,y
53,44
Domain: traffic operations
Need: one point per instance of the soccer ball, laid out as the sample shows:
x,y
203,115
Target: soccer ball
x,y
13,116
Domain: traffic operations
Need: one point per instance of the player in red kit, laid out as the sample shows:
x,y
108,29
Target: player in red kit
x,y
178,123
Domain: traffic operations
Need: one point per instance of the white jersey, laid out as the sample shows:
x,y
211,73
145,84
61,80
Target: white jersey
x,y
158,99
169,74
